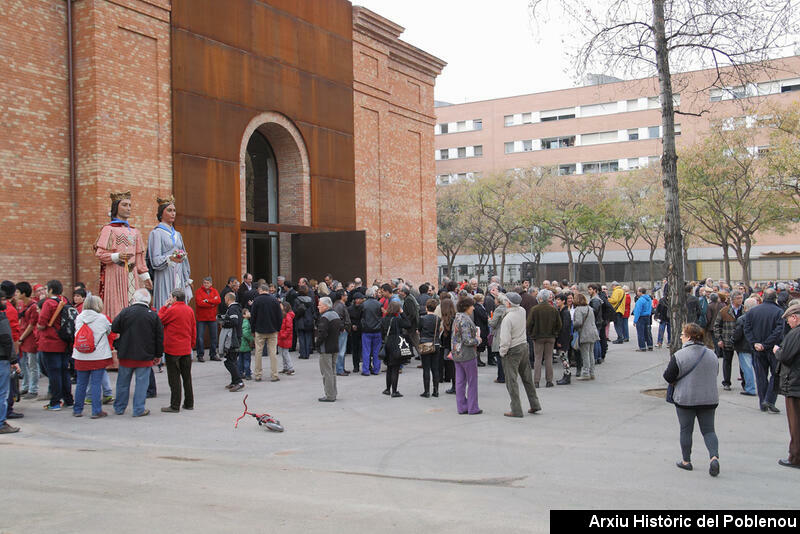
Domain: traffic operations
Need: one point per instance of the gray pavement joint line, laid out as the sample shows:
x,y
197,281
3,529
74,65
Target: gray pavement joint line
x,y
507,482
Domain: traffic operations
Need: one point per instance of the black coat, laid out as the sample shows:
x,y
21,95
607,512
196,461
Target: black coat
x,y
243,296
222,307
329,326
355,316
304,317
141,334
565,335
481,319
392,328
265,315
371,315
692,308
764,324
789,358
232,318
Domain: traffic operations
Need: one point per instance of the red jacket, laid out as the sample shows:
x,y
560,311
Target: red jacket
x,y
206,303
48,338
13,320
29,317
180,329
627,306
285,335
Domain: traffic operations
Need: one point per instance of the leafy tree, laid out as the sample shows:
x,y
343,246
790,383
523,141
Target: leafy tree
x,y
450,221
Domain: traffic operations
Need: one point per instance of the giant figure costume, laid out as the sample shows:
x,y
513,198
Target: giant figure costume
x,y
165,244
120,278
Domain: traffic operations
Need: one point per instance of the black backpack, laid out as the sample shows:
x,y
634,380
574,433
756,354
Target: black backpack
x,y
300,310
67,329
607,310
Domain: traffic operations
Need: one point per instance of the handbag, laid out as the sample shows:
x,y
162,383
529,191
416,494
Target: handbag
x,y
576,341
671,386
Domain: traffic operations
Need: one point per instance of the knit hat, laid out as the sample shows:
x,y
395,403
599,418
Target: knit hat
x,y
514,298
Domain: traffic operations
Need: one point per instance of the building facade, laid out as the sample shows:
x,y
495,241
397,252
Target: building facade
x,y
251,112
607,128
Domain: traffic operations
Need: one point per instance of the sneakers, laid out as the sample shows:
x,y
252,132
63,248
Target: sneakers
x,y
274,379
169,409
8,429
290,372
108,399
56,408
237,387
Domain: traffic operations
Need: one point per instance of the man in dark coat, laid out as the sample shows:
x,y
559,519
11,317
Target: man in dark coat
x,y
329,327
763,328
265,320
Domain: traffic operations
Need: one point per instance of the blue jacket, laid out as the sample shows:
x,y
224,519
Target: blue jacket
x,y
643,308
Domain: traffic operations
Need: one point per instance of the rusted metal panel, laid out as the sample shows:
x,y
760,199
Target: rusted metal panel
x,y
332,203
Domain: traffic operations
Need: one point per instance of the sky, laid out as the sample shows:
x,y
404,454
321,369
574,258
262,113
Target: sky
x,y
490,47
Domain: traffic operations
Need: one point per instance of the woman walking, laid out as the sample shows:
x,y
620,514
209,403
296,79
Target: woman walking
x,y
693,373
92,354
583,323
464,345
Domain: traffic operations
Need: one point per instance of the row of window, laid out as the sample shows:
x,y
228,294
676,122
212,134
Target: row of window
x,y
612,165
590,110
755,89
459,152
460,126
444,179
596,138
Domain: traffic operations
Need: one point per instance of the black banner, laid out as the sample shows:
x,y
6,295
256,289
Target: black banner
x,y
664,520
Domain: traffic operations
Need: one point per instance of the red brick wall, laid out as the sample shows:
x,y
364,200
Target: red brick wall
x,y
394,165
123,130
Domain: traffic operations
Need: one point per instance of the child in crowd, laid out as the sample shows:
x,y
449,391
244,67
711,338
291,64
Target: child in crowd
x,y
285,338
246,347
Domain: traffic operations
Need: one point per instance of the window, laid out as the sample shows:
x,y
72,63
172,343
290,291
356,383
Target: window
x,y
599,137
715,95
738,92
677,129
527,145
633,134
566,170
558,142
595,167
443,178
609,166
509,147
762,151
652,132
653,103
651,160
591,168
443,126
598,109
509,120
557,114
633,104
477,150
444,153
462,152
633,163
527,118
788,88
462,176
461,126
477,124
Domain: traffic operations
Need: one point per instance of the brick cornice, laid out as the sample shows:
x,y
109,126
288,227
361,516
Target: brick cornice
x,y
388,33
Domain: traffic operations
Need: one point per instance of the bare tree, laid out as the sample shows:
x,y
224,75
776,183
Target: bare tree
x,y
451,232
635,38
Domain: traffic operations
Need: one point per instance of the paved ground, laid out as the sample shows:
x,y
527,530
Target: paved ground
x,y
369,461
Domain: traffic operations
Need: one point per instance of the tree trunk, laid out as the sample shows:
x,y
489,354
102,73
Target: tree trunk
x,y
726,258
652,268
503,263
571,265
601,267
673,236
537,259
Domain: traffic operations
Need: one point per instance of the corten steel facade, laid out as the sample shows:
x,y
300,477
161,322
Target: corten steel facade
x,y
167,95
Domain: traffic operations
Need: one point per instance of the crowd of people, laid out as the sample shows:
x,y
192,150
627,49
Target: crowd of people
x,y
452,331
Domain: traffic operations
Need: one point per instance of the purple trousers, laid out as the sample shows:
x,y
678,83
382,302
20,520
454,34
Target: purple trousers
x,y
467,386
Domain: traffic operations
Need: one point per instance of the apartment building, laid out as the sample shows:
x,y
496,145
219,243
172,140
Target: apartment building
x,y
603,128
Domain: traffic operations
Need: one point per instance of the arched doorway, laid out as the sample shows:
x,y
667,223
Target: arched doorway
x,y
261,186
275,194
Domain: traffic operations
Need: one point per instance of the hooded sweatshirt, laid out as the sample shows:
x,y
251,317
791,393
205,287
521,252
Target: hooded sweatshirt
x,y
102,328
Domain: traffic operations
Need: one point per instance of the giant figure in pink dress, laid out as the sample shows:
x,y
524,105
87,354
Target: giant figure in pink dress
x,y
121,251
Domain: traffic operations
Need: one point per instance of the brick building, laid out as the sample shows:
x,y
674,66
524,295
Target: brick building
x,y
288,131
610,128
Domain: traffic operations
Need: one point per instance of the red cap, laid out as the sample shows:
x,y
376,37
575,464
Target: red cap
x,y
37,287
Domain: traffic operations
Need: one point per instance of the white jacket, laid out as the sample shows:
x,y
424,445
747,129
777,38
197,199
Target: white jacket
x,y
513,331
101,328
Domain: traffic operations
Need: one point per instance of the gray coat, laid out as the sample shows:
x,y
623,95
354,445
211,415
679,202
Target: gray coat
x,y
495,323
698,387
583,322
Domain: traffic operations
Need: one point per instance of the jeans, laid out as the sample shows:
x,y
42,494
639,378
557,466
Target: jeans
x,y
244,364
625,329
305,343
106,385
664,325
342,351
644,334
286,358
179,369
29,363
58,373
5,385
746,366
124,376
212,334
618,320
370,345
467,386
94,380
765,364
705,418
